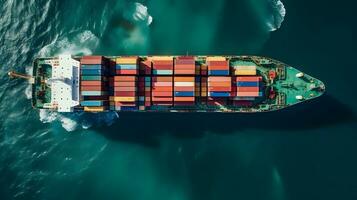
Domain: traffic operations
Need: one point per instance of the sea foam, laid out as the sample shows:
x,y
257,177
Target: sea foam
x,y
276,19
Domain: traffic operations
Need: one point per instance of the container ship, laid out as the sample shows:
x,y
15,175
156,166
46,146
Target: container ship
x,y
244,84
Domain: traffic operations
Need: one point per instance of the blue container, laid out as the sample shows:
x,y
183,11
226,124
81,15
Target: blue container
x,y
162,72
128,108
91,72
218,72
92,93
184,94
92,103
219,94
247,84
147,79
127,66
91,66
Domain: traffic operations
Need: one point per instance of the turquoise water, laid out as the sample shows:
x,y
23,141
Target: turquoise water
x,y
304,152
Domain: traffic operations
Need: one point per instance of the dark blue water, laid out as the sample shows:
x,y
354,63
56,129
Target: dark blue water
x,y
304,152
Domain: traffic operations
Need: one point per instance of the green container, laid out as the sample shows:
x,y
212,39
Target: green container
x,y
91,78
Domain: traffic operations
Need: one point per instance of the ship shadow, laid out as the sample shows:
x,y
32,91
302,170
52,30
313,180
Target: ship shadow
x,y
145,128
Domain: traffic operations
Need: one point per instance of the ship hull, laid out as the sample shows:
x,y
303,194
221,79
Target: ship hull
x,y
225,84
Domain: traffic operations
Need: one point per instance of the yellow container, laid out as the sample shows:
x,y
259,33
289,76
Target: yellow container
x,y
161,58
215,58
123,99
94,109
203,94
245,72
127,60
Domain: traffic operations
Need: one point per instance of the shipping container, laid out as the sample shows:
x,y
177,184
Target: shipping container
x,y
93,93
126,66
219,94
161,94
218,72
248,94
249,78
93,78
125,93
93,88
184,99
184,94
91,60
123,99
125,89
125,78
247,89
94,103
127,83
126,72
92,72
127,60
94,109
91,67
247,84
215,58
219,79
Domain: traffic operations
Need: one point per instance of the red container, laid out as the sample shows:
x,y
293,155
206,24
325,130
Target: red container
x,y
91,60
92,88
125,94
163,67
162,89
185,58
219,89
162,103
126,71
92,83
125,78
123,84
218,63
124,89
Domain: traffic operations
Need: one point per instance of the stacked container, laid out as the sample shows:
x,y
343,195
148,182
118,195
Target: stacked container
x,y
126,66
185,65
184,88
162,65
217,66
125,88
248,86
244,68
94,83
144,92
161,93
219,88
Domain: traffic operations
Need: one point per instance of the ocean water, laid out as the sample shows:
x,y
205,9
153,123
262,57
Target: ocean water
x,y
304,152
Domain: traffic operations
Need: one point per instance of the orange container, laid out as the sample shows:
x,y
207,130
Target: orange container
x,y
184,79
218,67
249,78
184,66
92,83
125,78
219,84
184,88
166,99
184,99
161,94
248,89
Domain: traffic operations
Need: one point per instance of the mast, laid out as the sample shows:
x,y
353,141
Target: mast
x,y
13,74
